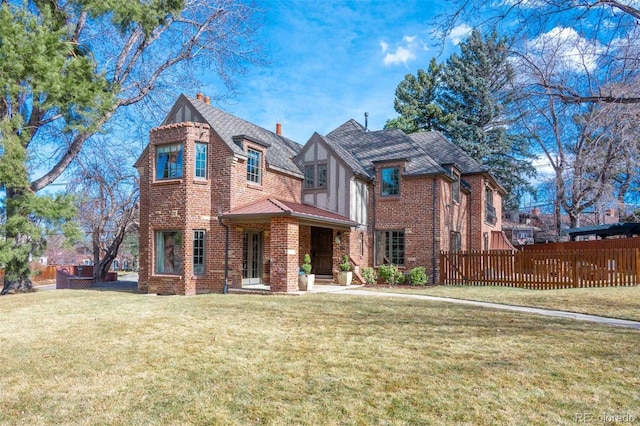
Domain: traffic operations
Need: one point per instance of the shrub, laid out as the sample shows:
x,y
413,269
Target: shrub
x,y
306,266
418,276
390,274
369,275
345,265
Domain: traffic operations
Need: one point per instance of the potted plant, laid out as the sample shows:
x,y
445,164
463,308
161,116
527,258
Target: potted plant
x,y
345,276
306,279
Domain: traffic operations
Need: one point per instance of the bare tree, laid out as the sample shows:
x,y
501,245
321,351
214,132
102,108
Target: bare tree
x,y
608,30
588,145
107,197
139,60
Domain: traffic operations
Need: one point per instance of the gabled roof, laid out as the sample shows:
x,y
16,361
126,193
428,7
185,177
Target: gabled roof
x,y
272,207
365,148
280,150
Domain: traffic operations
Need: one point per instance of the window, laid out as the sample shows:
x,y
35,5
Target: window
x,y
390,181
254,162
201,161
489,209
455,243
198,252
390,247
322,175
168,252
455,187
169,161
308,177
488,196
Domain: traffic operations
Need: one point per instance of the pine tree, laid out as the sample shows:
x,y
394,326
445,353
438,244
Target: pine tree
x,y
416,101
476,98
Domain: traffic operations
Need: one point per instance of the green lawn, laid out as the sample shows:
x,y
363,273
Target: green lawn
x,y
614,302
91,357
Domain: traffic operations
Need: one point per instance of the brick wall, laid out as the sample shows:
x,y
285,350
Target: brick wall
x,y
284,254
189,204
411,211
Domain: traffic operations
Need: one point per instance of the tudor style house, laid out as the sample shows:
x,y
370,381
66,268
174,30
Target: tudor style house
x,y
228,204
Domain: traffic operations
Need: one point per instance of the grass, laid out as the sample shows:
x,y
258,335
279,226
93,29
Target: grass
x,y
613,302
89,357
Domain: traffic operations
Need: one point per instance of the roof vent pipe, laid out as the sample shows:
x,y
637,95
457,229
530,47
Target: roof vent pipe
x,y
199,96
207,100
278,129
366,121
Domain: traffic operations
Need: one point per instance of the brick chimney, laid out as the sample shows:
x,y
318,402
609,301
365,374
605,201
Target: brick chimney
x,y
207,100
278,129
199,96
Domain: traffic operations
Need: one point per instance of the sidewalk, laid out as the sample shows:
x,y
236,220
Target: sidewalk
x,y
523,309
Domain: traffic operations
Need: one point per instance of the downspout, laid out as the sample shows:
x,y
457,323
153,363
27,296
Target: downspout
x,y
373,225
225,288
433,248
470,221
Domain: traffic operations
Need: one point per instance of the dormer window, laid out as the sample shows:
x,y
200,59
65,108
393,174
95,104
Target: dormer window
x,y
390,181
313,179
322,175
254,162
309,180
169,161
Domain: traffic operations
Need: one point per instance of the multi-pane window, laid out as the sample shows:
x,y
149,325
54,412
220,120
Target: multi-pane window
x,y
198,252
201,161
455,187
169,161
390,247
490,210
168,252
390,181
455,243
308,177
322,175
254,161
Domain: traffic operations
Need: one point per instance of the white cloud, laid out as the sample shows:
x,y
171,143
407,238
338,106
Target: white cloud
x,y
405,51
401,56
568,49
458,33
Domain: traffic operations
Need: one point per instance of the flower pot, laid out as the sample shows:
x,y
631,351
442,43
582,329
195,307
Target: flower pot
x,y
306,281
345,278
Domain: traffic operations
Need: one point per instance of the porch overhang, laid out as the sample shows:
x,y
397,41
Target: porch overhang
x,y
266,209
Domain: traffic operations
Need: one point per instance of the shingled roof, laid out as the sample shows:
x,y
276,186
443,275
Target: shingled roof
x,y
445,152
365,147
280,150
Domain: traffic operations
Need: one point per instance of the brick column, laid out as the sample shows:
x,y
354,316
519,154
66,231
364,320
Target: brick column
x,y
284,254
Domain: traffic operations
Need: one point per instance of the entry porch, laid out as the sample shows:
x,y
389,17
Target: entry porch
x,y
271,238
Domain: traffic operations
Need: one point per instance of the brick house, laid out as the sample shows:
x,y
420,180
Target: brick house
x,y
226,201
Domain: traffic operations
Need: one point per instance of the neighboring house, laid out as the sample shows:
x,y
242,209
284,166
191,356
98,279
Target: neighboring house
x,y
223,200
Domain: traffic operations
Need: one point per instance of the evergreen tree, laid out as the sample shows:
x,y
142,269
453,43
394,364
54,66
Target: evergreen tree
x,y
478,100
416,101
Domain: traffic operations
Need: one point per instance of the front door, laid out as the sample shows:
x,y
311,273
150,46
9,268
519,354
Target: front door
x,y
322,251
252,258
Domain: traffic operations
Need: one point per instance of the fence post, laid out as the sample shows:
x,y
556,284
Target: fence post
x,y
637,266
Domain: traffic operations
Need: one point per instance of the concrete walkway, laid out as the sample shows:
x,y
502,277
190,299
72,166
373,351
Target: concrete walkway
x,y
522,309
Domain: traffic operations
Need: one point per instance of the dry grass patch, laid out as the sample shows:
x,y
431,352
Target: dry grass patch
x,y
84,357
613,302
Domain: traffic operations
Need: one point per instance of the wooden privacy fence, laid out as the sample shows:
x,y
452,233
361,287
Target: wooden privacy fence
x,y
543,270
43,272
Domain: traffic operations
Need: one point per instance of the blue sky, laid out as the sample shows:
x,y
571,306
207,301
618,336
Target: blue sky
x,y
333,61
